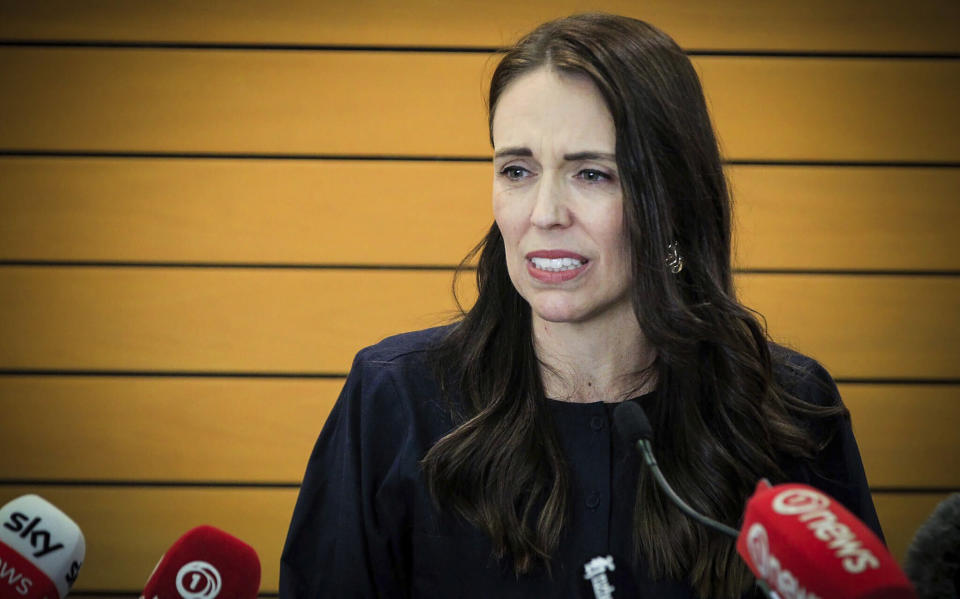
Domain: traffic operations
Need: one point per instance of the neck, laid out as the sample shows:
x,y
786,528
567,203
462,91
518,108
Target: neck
x,y
593,361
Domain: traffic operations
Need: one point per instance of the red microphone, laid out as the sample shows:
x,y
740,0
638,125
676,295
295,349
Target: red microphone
x,y
804,544
203,564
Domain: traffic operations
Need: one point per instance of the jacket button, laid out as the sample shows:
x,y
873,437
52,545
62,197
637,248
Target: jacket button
x,y
596,423
593,500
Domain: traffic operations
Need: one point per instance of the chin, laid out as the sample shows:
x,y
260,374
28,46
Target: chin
x,y
557,312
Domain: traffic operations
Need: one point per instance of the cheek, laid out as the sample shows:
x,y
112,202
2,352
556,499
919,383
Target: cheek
x,y
510,222
615,241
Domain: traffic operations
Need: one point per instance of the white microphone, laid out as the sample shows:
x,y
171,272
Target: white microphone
x,y
41,549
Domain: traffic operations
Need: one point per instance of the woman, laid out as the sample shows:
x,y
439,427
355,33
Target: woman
x,y
477,460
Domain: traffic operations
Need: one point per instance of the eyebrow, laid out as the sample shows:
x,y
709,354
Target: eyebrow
x,y
590,156
513,152
521,151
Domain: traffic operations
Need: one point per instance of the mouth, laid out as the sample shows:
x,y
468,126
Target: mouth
x,y
555,266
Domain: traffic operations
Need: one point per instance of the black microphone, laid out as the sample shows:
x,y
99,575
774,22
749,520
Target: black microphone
x,y
933,558
634,427
607,577
631,422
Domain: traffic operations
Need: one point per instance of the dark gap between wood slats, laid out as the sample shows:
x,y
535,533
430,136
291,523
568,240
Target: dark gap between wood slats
x,y
14,153
340,375
174,484
170,374
432,267
236,156
242,265
26,482
161,45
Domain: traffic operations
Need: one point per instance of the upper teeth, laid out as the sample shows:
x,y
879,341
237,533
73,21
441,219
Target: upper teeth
x,y
556,264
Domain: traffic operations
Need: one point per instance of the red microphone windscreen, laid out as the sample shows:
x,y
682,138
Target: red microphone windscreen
x,y
22,579
805,544
206,563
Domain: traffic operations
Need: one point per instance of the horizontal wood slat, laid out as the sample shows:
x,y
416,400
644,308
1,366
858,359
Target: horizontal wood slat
x,y
240,101
128,529
264,430
332,212
309,321
846,218
892,26
401,103
371,212
906,433
863,327
137,429
803,109
202,319
902,514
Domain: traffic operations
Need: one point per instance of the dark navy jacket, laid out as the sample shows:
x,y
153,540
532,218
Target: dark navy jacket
x,y
365,525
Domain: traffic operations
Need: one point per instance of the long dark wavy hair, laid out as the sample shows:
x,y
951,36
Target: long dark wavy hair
x,y
729,422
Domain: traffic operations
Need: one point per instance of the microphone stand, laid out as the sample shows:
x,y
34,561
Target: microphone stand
x,y
636,424
644,446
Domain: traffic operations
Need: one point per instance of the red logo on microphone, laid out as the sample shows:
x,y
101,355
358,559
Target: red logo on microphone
x,y
198,580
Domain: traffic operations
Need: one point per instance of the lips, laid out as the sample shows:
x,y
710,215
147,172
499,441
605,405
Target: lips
x,y
555,266
556,254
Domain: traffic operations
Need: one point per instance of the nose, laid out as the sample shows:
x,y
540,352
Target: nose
x,y
550,209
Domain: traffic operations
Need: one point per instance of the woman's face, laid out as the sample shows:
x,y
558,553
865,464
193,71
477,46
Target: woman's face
x,y
557,198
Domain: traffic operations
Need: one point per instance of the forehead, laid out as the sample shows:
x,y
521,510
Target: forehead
x,y
548,106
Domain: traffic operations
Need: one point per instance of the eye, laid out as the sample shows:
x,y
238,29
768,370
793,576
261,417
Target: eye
x,y
514,173
591,175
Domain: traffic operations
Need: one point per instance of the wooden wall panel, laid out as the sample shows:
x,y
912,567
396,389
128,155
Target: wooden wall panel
x,y
901,514
212,320
128,529
888,25
430,104
135,429
259,211
243,101
907,433
313,321
806,109
846,218
374,212
872,327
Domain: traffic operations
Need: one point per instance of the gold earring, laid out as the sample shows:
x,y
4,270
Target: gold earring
x,y
674,259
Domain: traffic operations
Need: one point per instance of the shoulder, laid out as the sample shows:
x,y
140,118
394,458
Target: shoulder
x,y
803,377
402,349
836,467
397,376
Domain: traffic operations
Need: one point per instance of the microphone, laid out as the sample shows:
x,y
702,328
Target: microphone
x,y
859,565
602,579
933,558
804,544
631,422
203,564
634,427
41,549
